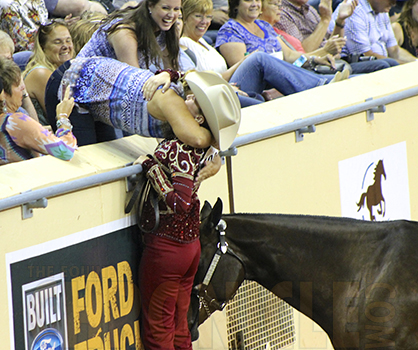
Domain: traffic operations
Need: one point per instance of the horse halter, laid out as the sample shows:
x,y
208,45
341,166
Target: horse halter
x,y
202,290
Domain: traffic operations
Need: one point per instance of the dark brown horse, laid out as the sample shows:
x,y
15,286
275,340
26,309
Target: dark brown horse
x,y
358,280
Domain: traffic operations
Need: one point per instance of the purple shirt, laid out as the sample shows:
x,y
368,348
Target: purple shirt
x,y
234,32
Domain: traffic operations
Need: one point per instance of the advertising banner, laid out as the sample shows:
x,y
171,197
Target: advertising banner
x,y
79,292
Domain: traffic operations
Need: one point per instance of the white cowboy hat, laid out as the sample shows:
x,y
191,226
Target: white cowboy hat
x,y
219,103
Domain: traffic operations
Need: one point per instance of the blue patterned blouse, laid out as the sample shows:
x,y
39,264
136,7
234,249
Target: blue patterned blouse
x,y
234,32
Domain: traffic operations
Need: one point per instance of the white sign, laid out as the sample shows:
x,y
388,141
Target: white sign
x,y
374,186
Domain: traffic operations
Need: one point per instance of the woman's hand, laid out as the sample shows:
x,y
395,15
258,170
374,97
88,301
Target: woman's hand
x,y
327,60
65,107
152,84
236,89
211,168
141,159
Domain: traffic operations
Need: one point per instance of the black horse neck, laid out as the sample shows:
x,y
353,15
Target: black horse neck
x,y
304,258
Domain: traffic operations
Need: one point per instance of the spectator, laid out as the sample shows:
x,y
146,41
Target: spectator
x,y
75,8
369,32
271,14
302,21
21,21
112,92
253,73
53,46
244,32
7,47
85,129
309,25
6,51
21,137
144,37
406,28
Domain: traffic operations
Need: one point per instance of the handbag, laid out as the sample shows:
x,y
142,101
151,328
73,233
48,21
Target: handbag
x,y
21,19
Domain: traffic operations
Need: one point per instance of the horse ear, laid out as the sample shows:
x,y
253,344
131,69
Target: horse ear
x,y
217,211
206,210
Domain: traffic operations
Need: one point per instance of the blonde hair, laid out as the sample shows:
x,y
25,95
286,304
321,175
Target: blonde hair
x,y
38,57
196,6
82,30
6,41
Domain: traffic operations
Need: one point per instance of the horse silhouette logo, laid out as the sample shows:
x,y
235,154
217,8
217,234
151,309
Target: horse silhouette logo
x,y
373,196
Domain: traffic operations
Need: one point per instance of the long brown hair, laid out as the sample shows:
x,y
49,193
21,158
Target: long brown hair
x,y
144,30
406,19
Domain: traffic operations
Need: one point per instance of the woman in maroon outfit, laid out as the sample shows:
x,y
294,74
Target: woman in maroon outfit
x,y
171,255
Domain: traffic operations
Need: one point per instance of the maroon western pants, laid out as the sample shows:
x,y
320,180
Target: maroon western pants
x,y
166,274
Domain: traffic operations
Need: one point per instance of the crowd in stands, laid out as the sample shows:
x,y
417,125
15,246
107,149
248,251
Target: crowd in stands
x,y
78,72
264,48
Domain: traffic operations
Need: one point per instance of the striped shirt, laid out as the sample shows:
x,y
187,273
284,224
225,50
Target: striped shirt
x,y
365,30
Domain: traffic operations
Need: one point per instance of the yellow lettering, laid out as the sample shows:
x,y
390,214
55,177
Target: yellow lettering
x,y
126,298
126,333
95,343
138,342
93,281
116,339
81,346
109,293
77,284
106,338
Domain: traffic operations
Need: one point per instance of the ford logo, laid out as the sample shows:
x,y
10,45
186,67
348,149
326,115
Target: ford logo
x,y
48,339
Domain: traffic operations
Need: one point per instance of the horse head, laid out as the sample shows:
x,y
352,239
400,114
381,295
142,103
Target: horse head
x,y
380,169
220,271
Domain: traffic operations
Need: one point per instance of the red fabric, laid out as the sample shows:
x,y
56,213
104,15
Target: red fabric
x,y
291,39
172,173
167,272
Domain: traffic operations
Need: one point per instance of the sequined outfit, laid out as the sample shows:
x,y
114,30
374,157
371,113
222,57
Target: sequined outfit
x,y
171,255
172,173
111,91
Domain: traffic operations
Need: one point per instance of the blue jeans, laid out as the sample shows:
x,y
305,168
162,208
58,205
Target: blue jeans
x,y
372,66
261,71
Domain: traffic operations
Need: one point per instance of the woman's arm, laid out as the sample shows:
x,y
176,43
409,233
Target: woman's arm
x,y
36,82
125,44
230,71
171,107
176,191
397,30
233,52
27,105
28,133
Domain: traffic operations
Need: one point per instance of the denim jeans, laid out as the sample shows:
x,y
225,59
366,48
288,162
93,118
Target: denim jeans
x,y
373,65
85,129
261,71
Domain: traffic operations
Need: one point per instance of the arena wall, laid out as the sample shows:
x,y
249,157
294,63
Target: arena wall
x,y
84,239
